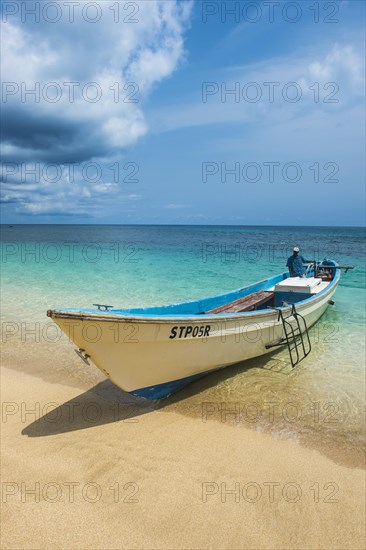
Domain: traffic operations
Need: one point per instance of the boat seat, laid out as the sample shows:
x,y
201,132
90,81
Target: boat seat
x,y
247,303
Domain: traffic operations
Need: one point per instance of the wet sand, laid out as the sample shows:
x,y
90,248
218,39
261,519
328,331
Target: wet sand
x,y
87,466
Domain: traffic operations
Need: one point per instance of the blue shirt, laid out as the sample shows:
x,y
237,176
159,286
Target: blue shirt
x,y
294,263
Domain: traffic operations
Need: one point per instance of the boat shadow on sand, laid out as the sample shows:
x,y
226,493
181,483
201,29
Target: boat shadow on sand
x,y
105,403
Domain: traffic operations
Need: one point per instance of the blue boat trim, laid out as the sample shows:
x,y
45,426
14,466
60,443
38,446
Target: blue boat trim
x,y
195,308
164,390
190,308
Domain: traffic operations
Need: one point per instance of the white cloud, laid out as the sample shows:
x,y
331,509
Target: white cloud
x,y
173,206
104,187
135,196
341,63
106,53
123,59
336,80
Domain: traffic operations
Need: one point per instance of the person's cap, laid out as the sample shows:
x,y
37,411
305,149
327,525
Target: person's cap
x,y
296,249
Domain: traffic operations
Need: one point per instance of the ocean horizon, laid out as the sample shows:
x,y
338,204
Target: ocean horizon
x,y
12,224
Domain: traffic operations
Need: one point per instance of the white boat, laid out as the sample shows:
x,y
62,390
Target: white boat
x,y
155,351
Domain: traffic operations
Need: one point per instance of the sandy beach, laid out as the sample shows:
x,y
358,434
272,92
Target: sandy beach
x,y
94,468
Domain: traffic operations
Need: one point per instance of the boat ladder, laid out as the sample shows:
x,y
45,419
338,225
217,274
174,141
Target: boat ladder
x,y
298,346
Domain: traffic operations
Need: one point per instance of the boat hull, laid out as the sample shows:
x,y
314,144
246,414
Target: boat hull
x,y
155,356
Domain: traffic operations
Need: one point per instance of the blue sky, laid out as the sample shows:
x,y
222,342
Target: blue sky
x,y
183,113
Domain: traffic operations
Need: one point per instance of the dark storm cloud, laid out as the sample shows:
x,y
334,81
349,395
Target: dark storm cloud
x,y
47,138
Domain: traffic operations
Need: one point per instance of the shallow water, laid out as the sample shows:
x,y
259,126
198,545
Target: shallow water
x,y
320,403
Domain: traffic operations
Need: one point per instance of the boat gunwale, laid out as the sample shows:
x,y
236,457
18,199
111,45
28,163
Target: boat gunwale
x,y
198,317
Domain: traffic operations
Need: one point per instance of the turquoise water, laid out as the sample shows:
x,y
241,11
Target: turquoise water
x,y
54,266
49,266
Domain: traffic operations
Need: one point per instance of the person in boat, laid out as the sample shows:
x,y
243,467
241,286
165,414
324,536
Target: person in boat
x,y
295,263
